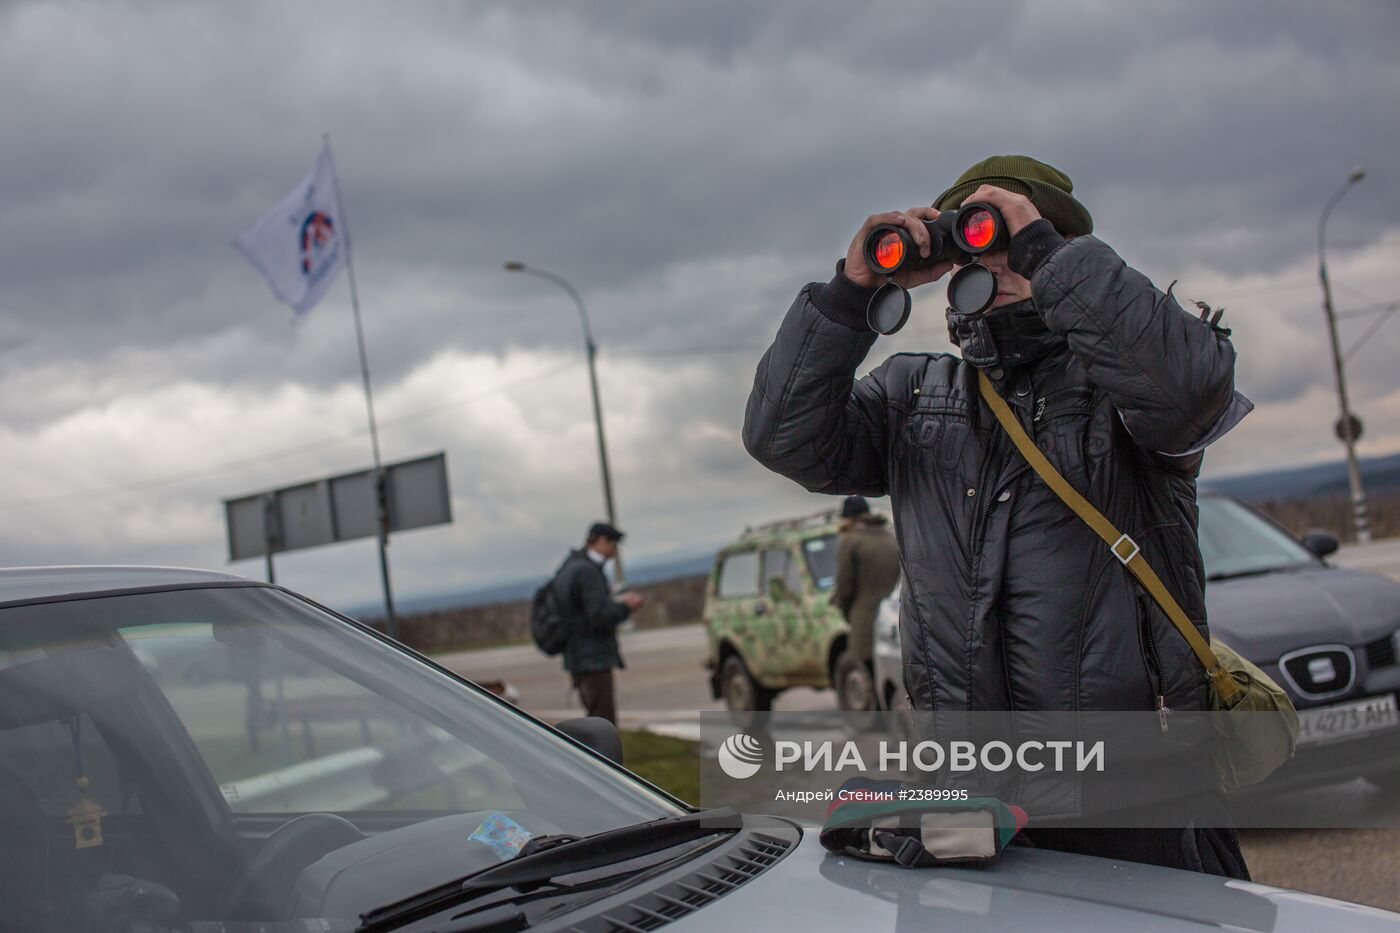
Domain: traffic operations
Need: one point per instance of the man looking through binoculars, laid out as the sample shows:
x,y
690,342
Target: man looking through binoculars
x,y
1011,602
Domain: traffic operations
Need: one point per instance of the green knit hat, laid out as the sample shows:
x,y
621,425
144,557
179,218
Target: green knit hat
x,y
1047,187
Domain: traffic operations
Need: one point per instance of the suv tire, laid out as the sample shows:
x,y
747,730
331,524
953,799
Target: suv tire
x,y
740,691
854,684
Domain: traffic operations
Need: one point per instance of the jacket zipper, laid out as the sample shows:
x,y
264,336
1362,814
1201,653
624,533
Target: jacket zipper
x,y
1154,660
1001,441
991,477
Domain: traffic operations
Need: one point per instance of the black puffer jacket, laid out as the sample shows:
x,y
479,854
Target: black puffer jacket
x,y
1011,602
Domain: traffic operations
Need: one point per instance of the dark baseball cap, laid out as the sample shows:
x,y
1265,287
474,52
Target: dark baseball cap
x,y
604,530
853,506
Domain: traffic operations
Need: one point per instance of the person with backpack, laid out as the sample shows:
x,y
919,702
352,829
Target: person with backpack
x,y
576,615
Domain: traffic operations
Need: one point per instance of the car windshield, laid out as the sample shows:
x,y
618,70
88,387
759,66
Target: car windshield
x,y
1236,542
821,560
247,757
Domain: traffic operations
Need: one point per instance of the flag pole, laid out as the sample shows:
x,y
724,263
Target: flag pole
x,y
380,492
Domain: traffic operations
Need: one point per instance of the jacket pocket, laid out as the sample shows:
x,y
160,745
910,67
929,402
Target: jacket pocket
x,y
939,441
1061,423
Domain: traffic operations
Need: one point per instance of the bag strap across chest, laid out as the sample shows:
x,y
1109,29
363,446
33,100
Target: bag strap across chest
x,y
1124,548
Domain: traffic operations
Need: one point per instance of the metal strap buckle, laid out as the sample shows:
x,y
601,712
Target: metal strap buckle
x,y
1132,552
905,850
909,852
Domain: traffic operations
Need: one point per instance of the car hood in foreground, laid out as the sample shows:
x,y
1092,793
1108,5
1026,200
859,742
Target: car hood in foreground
x,y
1266,615
1025,890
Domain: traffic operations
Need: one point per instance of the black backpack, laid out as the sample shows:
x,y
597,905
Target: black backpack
x,y
548,624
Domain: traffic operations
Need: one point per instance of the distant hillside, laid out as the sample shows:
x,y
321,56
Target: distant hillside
x,y
1378,474
672,569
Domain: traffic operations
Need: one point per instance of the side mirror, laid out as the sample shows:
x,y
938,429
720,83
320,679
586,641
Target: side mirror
x,y
1320,542
595,732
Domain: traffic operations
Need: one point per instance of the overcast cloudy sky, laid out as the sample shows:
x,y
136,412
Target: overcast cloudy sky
x,y
688,166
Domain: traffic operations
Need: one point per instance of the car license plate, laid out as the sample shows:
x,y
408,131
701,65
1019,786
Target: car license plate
x,y
1340,720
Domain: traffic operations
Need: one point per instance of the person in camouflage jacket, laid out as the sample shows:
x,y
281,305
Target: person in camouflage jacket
x,y
867,570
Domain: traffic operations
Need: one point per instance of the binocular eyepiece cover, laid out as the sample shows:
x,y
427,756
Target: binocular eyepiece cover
x,y
955,236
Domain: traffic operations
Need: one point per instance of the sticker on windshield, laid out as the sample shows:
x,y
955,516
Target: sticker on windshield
x,y
502,835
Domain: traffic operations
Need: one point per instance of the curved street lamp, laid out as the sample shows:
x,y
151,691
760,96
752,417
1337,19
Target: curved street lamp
x,y
1346,427
591,349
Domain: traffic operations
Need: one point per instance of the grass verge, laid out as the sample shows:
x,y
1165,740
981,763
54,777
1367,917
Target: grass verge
x,y
671,764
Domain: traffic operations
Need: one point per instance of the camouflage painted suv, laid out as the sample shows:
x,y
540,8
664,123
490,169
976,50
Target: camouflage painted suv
x,y
768,613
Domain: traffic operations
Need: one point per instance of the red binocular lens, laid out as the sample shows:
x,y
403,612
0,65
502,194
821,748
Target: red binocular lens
x,y
889,251
978,228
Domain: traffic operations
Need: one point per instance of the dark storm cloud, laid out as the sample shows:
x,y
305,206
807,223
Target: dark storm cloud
x,y
687,166
658,139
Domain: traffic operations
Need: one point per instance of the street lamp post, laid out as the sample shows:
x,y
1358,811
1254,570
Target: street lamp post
x,y
591,350
1347,426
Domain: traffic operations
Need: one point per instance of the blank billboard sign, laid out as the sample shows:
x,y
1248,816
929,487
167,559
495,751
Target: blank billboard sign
x,y
337,508
418,494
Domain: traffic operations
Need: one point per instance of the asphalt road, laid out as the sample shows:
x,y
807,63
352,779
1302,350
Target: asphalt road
x,y
1381,557
665,687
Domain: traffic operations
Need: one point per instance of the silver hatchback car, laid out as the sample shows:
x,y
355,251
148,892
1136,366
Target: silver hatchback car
x,y
318,776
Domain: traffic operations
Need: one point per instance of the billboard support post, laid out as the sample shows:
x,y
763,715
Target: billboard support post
x,y
270,532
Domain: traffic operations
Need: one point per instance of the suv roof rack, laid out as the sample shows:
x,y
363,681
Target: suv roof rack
x,y
815,520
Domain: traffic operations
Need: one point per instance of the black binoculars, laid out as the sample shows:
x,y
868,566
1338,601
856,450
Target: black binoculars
x,y
955,236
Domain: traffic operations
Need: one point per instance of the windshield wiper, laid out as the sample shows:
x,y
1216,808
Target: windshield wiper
x,y
534,868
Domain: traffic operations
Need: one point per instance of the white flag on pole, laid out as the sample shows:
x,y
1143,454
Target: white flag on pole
x,y
301,244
